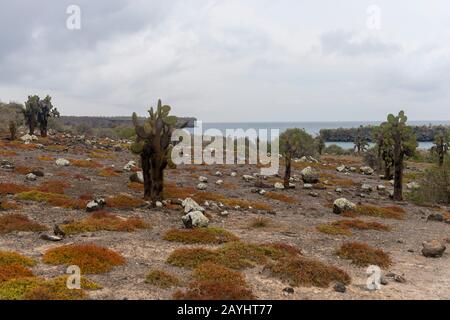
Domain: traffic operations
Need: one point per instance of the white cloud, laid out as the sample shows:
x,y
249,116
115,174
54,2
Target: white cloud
x,y
230,60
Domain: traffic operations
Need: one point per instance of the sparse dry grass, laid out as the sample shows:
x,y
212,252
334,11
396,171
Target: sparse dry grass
x,y
162,279
7,153
280,197
333,230
361,225
11,257
34,288
9,205
108,172
136,186
299,271
259,223
364,255
102,220
215,282
235,255
91,259
54,199
18,222
391,212
200,235
124,201
81,163
45,158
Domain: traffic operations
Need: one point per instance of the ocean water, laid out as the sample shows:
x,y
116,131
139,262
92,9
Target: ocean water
x,y
312,127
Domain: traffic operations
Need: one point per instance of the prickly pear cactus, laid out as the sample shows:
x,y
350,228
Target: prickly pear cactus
x,y
153,144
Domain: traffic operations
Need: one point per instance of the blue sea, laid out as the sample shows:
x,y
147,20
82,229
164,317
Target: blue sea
x,y
313,127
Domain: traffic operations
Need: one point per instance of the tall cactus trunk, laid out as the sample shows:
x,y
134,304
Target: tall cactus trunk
x,y
287,173
32,128
145,163
44,132
441,158
398,175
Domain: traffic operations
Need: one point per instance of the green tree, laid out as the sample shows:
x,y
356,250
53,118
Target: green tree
x,y
404,144
153,144
320,144
441,146
31,113
361,142
295,143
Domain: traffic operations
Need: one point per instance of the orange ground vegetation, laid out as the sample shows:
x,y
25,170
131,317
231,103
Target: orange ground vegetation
x,y
91,259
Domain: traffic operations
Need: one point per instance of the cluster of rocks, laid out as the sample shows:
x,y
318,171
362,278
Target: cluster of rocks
x,y
308,159
7,165
96,204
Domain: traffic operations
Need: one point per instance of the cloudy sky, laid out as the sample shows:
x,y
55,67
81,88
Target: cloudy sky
x,y
232,60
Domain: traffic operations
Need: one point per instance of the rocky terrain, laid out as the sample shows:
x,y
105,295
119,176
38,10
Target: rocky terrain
x,y
55,181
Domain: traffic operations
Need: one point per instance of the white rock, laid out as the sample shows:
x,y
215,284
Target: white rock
x,y
202,186
366,170
224,213
29,138
262,192
247,177
158,204
307,186
92,206
413,185
31,177
137,177
61,162
338,190
309,175
203,179
218,174
233,174
195,219
279,186
340,205
380,187
219,182
190,205
130,165
366,188
340,168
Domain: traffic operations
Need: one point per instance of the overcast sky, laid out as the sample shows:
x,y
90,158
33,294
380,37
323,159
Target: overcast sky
x,y
231,60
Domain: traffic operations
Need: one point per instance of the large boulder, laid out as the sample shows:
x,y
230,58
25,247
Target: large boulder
x,y
309,175
433,249
195,219
341,205
190,205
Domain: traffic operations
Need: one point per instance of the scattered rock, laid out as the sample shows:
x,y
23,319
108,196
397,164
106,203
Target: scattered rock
x,y
366,170
288,290
248,178
130,165
307,186
203,179
201,186
224,213
195,219
413,185
309,175
366,188
433,249
96,204
31,177
435,217
5,164
314,194
61,162
137,177
338,190
278,185
340,287
29,138
158,204
218,174
341,205
219,182
49,237
233,174
190,205
380,187
340,168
